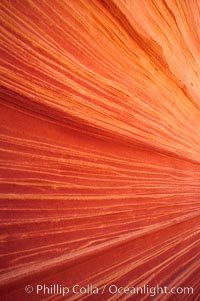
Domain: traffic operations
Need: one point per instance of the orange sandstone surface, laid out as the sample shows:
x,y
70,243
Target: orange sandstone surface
x,y
99,147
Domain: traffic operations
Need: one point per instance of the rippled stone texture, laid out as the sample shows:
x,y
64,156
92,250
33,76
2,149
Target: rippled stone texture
x,y
100,145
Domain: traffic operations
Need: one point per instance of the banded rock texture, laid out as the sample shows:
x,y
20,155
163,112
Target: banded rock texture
x,y
100,146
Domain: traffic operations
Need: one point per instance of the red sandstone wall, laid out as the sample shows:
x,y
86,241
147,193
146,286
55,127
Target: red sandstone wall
x,y
99,146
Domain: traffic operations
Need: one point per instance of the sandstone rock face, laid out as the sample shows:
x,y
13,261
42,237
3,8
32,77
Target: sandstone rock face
x,y
100,147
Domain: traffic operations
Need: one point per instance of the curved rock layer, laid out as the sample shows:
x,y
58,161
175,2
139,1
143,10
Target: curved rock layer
x,y
100,146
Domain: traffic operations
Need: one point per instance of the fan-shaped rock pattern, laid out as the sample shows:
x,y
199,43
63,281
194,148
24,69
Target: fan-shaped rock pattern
x,y
100,146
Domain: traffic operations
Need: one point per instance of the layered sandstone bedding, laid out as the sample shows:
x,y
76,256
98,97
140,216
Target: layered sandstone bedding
x,y
99,149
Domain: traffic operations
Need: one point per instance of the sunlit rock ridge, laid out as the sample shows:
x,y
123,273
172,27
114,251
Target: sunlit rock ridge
x,y
99,146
